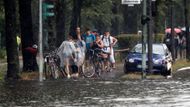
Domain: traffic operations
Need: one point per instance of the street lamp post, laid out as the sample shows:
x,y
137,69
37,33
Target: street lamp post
x,y
40,43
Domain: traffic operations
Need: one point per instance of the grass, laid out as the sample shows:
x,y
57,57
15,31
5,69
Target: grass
x,y
3,69
29,75
177,65
137,76
180,64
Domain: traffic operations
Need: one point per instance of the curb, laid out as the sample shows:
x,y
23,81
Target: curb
x,y
185,68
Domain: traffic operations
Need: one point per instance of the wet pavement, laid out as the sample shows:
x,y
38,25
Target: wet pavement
x,y
109,92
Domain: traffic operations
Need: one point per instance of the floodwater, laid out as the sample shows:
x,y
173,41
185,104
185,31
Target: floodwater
x,y
96,92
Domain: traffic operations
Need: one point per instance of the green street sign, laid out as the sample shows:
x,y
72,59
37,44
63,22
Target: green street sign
x,y
47,10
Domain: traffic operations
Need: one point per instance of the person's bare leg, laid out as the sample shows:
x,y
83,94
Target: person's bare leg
x,y
68,71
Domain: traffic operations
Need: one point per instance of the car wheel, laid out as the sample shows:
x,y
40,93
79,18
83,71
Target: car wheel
x,y
166,72
169,72
125,68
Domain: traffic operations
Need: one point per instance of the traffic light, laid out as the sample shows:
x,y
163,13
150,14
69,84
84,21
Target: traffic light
x,y
144,19
154,8
47,10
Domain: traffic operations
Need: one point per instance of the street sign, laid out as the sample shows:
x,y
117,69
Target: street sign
x,y
47,10
131,2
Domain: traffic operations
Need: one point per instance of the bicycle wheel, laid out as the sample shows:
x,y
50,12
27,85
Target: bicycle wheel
x,y
89,68
54,71
48,72
109,67
99,68
62,71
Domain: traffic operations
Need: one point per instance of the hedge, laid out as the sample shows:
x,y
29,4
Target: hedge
x,y
129,40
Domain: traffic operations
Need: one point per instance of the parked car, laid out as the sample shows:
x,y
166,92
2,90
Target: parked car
x,y
162,60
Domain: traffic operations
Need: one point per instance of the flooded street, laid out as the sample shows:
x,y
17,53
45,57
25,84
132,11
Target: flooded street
x,y
96,92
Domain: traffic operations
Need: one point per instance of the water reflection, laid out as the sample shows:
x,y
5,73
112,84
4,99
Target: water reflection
x,y
95,92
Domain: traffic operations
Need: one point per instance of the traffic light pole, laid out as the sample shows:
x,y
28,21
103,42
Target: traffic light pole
x,y
40,43
144,40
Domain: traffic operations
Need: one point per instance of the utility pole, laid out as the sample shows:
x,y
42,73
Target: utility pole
x,y
187,31
144,38
40,43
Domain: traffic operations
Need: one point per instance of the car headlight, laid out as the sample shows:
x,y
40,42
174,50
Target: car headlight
x,y
156,61
159,61
131,60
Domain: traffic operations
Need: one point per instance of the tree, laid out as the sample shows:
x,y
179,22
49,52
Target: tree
x,y
97,14
11,44
187,30
76,12
117,17
26,32
60,21
130,15
2,24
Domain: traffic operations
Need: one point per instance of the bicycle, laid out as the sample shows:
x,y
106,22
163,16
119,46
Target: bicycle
x,y
96,63
52,65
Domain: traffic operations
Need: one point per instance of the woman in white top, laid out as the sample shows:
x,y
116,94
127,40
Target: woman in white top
x,y
109,41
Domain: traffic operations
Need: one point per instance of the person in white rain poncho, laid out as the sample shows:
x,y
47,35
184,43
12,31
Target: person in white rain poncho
x,y
72,53
67,52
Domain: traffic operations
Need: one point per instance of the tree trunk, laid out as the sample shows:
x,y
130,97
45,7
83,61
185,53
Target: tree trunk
x,y
115,21
26,33
187,30
130,19
11,44
60,22
75,21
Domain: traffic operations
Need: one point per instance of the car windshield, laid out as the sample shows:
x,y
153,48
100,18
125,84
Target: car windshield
x,y
157,49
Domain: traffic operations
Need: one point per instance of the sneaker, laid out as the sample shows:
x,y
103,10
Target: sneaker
x,y
68,76
113,67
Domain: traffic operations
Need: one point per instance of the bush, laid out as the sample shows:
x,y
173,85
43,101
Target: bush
x,y
129,40
2,54
159,38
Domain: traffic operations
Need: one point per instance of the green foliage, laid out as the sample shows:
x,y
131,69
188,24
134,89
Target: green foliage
x,y
97,13
180,64
129,40
2,15
2,72
2,54
159,38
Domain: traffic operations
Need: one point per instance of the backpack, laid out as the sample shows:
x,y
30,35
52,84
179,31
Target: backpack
x,y
108,40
